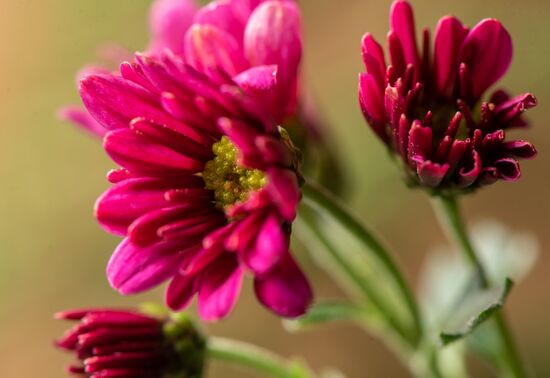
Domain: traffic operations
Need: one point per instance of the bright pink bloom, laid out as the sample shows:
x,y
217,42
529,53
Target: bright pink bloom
x,y
209,183
428,109
116,343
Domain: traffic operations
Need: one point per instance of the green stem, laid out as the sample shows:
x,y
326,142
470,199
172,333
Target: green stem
x,y
254,358
450,217
410,346
321,199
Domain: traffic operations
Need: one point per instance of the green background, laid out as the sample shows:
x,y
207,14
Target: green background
x,y
53,254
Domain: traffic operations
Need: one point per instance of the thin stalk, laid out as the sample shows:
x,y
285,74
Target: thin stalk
x,y
321,199
410,346
254,358
450,217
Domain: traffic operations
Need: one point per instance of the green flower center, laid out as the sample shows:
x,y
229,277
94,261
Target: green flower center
x,y
230,182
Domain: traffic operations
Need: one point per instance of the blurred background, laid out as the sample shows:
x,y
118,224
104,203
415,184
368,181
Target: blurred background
x,y
53,254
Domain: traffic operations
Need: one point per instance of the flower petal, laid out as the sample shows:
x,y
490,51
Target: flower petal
x,y
133,269
208,48
270,246
449,35
285,290
487,52
138,154
402,23
119,206
169,20
181,290
273,37
219,288
284,190
82,118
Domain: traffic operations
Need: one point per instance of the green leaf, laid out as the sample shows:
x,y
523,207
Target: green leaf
x,y
328,312
478,319
446,281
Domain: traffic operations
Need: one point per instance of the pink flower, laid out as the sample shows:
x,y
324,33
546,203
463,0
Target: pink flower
x,y
209,183
116,343
429,109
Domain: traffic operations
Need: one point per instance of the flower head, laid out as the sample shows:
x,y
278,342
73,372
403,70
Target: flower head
x,y
430,110
209,183
116,343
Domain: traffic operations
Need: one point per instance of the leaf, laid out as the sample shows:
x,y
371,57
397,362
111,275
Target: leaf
x,y
446,280
328,312
480,318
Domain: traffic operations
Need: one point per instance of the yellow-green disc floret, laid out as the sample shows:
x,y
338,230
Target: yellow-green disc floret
x,y
230,182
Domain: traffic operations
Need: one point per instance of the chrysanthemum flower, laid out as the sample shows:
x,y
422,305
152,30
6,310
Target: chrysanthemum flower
x,y
429,109
209,183
115,343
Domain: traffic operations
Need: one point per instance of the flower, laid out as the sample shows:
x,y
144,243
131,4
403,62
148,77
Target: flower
x,y
119,343
429,109
209,184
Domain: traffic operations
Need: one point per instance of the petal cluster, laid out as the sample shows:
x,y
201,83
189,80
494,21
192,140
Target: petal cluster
x,y
166,116
429,108
116,343
233,35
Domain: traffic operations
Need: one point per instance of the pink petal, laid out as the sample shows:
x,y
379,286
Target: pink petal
x,y
285,290
258,79
138,154
284,190
224,15
145,230
114,101
219,288
181,290
467,176
431,174
402,23
449,35
169,20
487,52
520,149
260,83
208,48
133,269
82,118
373,56
270,246
372,103
273,37
119,206
420,143
508,169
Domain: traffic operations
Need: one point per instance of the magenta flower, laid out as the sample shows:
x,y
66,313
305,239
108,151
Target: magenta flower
x,y
429,109
209,183
114,343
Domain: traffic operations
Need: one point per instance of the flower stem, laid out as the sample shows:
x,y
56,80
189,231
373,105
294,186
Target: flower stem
x,y
448,211
254,358
319,198
410,345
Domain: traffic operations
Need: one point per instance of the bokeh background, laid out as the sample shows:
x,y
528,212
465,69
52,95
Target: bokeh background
x,y
53,254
